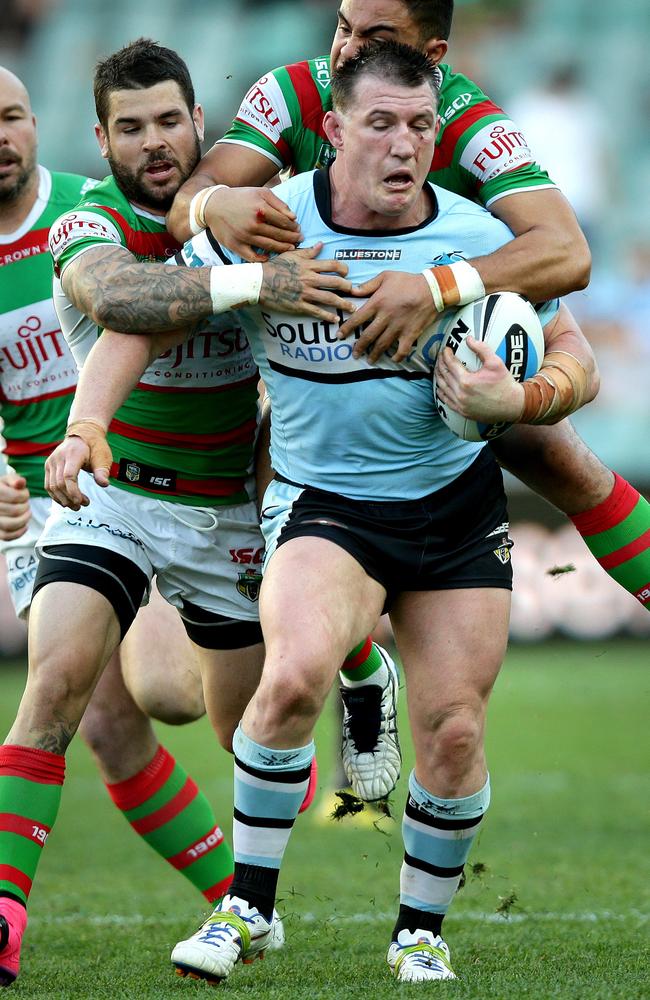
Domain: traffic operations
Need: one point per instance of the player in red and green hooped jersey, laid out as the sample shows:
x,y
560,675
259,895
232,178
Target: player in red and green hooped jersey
x,y
481,154
37,381
89,587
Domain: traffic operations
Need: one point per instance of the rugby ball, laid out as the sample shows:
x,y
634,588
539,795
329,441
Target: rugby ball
x,y
509,324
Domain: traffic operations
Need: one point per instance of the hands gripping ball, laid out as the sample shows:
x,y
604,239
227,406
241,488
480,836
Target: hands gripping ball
x,y
508,324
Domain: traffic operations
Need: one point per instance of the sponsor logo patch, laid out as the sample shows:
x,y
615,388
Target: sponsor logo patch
x,y
148,476
496,149
369,254
502,552
77,226
249,583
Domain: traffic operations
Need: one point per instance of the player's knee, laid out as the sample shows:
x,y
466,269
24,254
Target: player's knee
x,y
456,734
287,697
54,686
174,704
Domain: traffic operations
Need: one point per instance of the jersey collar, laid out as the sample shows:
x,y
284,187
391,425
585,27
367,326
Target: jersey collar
x,y
323,198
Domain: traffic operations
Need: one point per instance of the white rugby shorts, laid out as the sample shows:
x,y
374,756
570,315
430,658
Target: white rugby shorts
x,y
21,559
209,556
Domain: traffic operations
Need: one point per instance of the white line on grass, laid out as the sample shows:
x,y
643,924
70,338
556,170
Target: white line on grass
x,y
373,917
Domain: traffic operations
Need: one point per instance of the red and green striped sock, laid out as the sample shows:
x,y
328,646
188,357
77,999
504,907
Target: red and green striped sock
x,y
361,662
617,533
30,792
164,805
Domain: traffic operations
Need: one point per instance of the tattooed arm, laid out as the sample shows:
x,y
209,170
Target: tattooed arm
x,y
116,291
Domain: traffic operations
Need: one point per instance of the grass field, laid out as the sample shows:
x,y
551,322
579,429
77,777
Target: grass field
x,y
561,909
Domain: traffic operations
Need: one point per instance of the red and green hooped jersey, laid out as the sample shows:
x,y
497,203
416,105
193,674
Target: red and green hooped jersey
x,y
480,153
37,371
186,433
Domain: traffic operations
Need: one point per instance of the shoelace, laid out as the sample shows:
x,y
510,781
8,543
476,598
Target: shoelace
x,y
363,708
424,956
224,923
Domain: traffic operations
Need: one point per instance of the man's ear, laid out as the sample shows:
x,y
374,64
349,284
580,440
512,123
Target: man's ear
x,y
436,49
199,121
102,140
333,127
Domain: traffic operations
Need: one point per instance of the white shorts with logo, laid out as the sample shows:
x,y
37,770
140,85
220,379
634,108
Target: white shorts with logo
x,y
208,556
21,559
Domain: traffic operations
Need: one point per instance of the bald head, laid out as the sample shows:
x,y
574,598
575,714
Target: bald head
x,y
12,89
17,140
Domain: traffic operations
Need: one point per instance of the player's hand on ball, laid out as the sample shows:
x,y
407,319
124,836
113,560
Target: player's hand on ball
x,y
248,220
14,506
398,310
490,394
298,283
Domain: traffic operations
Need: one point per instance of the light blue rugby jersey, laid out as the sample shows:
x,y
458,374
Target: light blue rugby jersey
x,y
341,424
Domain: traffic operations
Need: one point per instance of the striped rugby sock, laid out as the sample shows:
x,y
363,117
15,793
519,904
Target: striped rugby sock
x,y
362,663
617,533
270,786
30,792
438,834
164,805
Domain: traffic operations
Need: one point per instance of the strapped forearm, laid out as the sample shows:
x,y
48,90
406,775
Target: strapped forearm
x,y
93,434
196,219
560,387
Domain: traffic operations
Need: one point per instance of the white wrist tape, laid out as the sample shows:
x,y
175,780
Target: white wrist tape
x,y
454,284
235,285
197,208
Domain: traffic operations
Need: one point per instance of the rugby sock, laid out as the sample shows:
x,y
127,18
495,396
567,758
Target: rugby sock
x,y
617,533
438,835
164,805
270,786
30,792
362,663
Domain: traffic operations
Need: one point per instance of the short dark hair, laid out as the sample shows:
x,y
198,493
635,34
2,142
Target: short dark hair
x,y
391,61
432,17
137,66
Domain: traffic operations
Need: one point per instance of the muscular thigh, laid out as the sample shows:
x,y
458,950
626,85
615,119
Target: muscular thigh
x,y
452,644
317,601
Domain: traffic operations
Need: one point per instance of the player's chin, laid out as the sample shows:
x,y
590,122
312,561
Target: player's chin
x,y
397,202
162,190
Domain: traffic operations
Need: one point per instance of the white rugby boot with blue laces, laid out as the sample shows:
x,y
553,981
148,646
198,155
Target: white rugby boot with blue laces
x,y
234,931
418,957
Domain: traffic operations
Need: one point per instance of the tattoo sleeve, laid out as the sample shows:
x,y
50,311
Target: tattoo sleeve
x,y
125,295
282,285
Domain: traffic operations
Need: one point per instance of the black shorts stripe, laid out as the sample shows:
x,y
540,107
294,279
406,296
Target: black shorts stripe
x,y
425,866
212,631
111,574
269,821
437,822
282,777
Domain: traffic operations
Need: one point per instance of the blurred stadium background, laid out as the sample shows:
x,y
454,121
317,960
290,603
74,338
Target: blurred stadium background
x,y
575,76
